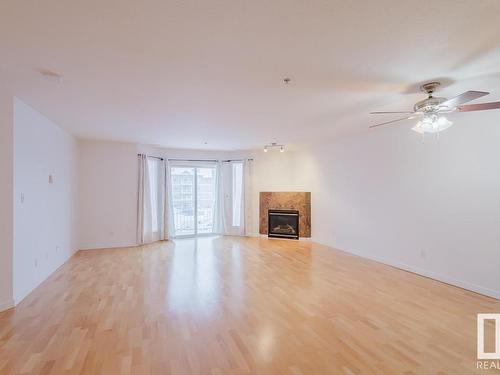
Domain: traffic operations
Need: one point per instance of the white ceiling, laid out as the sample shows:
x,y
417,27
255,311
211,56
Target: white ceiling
x,y
182,73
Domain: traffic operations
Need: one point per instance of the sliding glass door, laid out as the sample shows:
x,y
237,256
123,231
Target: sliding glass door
x,y
183,200
206,180
193,199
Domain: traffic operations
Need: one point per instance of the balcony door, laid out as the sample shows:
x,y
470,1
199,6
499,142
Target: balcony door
x,y
194,192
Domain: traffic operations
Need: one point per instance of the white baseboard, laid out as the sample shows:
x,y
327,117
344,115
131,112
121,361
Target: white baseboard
x,y
444,278
430,274
19,297
5,305
22,295
103,246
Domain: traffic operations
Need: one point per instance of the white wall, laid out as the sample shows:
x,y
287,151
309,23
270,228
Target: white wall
x,y
107,194
6,200
432,208
272,171
108,186
44,221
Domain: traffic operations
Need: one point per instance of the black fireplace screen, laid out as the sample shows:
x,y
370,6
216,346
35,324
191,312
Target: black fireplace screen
x,y
283,223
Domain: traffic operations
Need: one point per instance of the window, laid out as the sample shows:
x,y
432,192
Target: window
x,y
205,199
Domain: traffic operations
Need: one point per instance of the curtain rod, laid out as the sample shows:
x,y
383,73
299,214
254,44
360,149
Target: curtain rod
x,y
208,160
197,160
152,157
230,160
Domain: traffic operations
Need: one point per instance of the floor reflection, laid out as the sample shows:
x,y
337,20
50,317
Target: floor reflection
x,y
195,280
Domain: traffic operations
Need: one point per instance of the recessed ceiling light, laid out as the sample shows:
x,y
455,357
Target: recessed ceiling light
x,y
286,80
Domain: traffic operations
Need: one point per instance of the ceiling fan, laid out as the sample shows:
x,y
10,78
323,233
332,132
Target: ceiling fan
x,y
430,111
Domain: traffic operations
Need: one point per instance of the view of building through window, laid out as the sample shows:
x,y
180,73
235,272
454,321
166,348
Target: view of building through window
x,y
193,198
206,190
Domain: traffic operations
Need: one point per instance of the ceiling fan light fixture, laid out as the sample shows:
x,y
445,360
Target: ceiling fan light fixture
x,y
432,124
433,107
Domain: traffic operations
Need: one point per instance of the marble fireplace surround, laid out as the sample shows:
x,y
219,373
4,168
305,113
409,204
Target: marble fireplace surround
x,y
300,201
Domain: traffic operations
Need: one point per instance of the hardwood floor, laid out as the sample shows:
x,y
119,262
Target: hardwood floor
x,y
238,306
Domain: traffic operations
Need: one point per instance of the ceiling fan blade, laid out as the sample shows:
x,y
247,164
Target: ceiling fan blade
x,y
390,122
478,107
462,98
383,113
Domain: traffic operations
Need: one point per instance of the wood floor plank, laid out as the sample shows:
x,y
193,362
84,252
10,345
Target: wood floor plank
x,y
230,305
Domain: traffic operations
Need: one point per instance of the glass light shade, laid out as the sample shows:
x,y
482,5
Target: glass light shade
x,y
432,124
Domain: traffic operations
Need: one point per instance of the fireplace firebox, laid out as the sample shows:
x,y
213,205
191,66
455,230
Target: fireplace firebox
x,y
283,224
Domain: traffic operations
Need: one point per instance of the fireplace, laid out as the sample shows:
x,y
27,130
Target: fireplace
x,y
283,224
286,200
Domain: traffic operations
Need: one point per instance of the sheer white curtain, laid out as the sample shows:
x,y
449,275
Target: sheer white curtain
x,y
169,205
221,217
247,196
152,223
234,198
